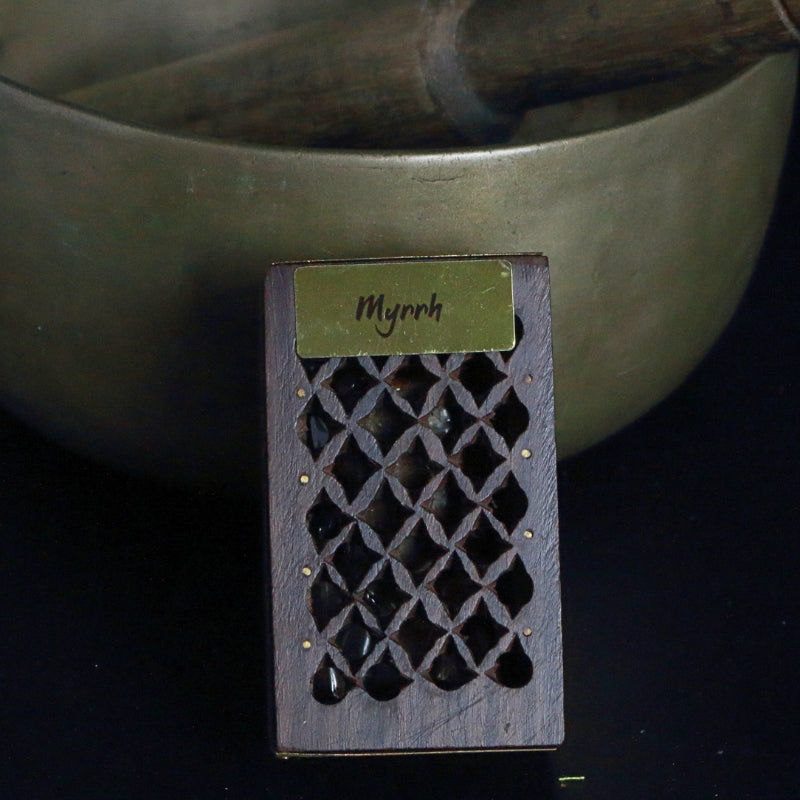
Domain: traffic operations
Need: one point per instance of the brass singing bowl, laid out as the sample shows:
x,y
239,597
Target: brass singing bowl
x,y
132,260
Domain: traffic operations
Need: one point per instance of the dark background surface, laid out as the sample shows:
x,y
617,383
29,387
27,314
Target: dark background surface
x,y
131,622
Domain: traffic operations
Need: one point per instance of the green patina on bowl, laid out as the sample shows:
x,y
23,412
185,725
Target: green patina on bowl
x,y
131,260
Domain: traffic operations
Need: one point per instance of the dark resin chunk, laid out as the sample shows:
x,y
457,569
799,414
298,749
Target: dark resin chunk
x,y
453,586
448,420
478,460
412,381
383,680
325,520
385,514
316,427
352,467
329,684
326,600
418,553
350,382
356,640
386,422
449,670
483,544
415,469
449,505
353,559
417,635
383,597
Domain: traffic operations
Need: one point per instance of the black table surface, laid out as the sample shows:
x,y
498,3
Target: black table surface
x,y
132,632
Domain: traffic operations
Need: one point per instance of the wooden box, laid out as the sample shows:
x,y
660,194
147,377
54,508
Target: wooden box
x,y
413,540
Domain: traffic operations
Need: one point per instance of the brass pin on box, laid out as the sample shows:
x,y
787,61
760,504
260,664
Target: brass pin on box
x,y
412,506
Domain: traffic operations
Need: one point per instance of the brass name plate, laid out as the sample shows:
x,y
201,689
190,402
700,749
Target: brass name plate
x,y
400,308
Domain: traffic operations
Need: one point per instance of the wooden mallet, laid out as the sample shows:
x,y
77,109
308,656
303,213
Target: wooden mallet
x,y
441,72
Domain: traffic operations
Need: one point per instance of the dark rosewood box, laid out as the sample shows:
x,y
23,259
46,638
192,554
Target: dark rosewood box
x,y
413,539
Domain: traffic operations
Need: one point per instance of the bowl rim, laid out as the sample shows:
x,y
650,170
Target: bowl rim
x,y
361,156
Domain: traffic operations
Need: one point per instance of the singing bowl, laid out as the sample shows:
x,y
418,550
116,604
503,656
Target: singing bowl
x,y
132,260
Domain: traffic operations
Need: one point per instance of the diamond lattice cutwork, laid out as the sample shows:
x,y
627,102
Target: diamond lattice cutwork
x,y
510,418
483,544
508,503
385,514
448,420
325,520
481,632
329,684
478,460
326,600
514,587
449,505
513,669
383,680
312,366
449,670
352,467
453,586
418,553
417,635
386,422
412,380
383,597
356,640
353,559
316,427
400,485
415,469
350,382
478,375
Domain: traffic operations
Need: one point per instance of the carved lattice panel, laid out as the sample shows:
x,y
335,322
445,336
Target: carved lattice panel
x,y
413,531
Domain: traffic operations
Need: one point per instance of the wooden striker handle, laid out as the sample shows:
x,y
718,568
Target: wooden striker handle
x,y
411,73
